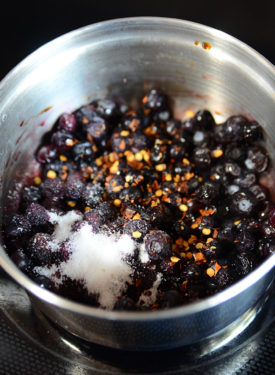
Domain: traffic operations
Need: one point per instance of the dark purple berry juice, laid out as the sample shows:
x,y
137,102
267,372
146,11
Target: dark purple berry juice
x,y
136,210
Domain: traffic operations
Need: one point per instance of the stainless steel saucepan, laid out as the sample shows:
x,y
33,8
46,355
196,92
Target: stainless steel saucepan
x,y
199,67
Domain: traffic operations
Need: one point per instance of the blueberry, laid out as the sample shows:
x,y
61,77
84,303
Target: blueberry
x,y
159,153
62,141
235,152
267,229
39,249
155,101
162,116
98,128
21,260
137,229
18,226
232,189
243,264
200,138
194,205
252,131
92,194
46,154
43,282
224,248
245,241
259,191
243,203
246,180
67,122
74,186
125,303
204,120
114,186
231,130
172,126
106,211
265,211
84,150
76,290
232,169
55,165
64,250
170,298
120,141
192,273
85,114
31,194
132,122
217,173
139,142
188,126
158,245
37,215
168,267
193,184
257,160
94,219
226,234
267,247
177,150
106,108
201,157
208,192
207,222
52,188
162,215
250,225
223,278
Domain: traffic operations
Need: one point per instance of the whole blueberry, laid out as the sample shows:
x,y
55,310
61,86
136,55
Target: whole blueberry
x,y
158,245
18,226
243,203
37,215
67,122
39,249
201,157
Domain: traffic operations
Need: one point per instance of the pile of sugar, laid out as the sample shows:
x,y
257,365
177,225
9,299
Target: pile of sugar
x,y
96,259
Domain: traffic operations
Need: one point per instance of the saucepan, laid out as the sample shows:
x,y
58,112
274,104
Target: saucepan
x,y
199,67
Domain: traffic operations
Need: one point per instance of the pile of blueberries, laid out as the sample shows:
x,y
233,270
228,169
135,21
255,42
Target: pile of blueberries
x,y
189,190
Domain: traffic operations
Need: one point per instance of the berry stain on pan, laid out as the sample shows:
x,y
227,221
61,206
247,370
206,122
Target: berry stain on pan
x,y
137,210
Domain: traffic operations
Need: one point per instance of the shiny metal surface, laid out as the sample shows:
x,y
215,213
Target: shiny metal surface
x,y
126,57
223,354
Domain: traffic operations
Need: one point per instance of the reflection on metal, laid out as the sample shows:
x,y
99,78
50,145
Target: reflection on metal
x,y
223,354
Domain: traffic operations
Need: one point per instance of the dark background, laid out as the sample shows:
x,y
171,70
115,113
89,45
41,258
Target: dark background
x,y
27,25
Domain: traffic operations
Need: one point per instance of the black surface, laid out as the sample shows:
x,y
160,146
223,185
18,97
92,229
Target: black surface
x,y
19,356
27,25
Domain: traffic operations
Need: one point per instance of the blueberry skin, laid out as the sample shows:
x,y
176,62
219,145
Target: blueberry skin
x,y
158,245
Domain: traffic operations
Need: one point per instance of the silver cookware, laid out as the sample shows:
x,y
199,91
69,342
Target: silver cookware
x,y
127,57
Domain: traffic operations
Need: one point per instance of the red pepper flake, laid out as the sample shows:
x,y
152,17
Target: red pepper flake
x,y
206,45
199,257
208,212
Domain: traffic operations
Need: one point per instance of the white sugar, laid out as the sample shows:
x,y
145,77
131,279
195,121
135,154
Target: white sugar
x,y
64,224
148,297
97,259
143,254
52,273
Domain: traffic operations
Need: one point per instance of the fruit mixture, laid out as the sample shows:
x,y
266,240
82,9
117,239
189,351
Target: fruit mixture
x,y
136,210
